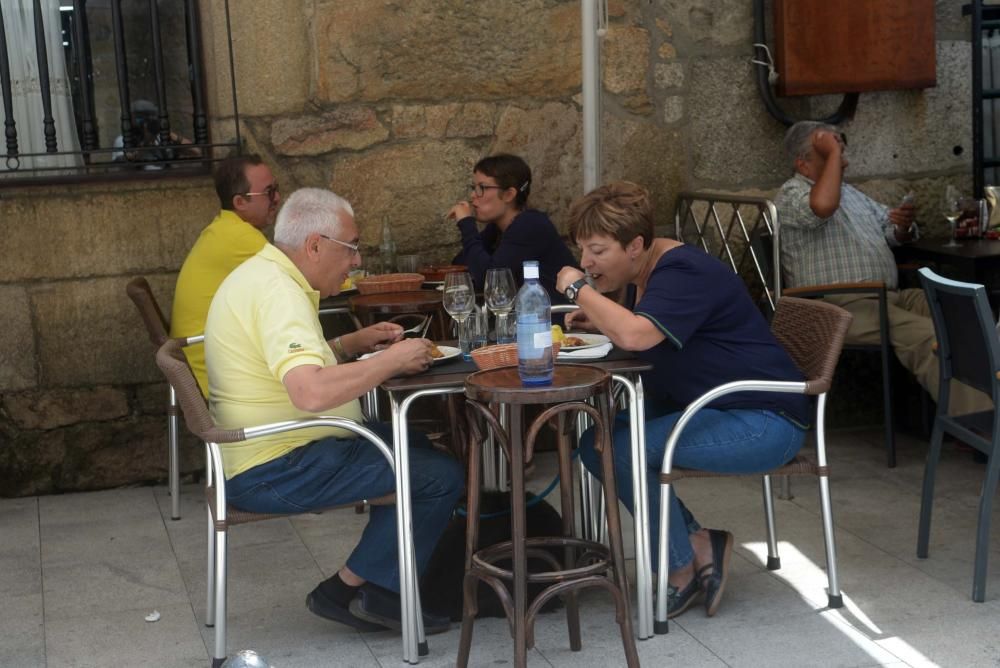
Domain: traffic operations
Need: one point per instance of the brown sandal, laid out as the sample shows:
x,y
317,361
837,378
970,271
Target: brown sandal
x,y
713,576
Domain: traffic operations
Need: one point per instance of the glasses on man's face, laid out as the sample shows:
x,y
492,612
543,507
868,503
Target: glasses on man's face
x,y
353,247
271,191
479,189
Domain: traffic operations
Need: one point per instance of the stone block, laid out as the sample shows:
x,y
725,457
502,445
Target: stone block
x,y
124,229
445,50
673,109
273,56
642,151
707,23
89,332
474,119
908,132
668,75
17,355
733,141
667,51
48,409
351,128
626,60
151,399
414,183
549,139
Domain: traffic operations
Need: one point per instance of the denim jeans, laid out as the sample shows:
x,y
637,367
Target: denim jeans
x,y
724,441
335,471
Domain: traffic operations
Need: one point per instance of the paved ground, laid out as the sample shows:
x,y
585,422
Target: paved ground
x,y
80,572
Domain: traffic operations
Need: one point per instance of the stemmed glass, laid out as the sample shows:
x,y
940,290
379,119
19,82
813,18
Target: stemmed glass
x,y
952,209
500,292
459,300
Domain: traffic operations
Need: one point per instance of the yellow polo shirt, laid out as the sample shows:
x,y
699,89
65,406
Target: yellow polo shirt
x,y
263,323
221,247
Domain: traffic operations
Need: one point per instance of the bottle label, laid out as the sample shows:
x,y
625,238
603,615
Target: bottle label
x,y
532,339
543,339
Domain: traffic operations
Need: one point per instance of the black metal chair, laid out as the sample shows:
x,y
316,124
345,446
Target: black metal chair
x,y
968,350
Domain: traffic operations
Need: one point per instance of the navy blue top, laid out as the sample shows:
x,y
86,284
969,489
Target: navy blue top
x,y
530,236
714,335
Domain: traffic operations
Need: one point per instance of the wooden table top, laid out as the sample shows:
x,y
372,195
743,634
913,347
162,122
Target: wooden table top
x,y
396,302
570,382
967,248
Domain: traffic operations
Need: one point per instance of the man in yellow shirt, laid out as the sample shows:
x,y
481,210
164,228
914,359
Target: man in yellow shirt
x,y
248,194
268,362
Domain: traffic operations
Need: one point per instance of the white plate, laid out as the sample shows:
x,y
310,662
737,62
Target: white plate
x,y
441,283
450,353
590,341
440,288
582,354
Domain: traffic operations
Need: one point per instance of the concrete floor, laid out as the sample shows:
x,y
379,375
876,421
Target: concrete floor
x,y
80,572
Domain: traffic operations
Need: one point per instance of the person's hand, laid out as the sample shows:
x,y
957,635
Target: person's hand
x,y
567,275
376,337
579,320
408,356
903,216
461,210
826,143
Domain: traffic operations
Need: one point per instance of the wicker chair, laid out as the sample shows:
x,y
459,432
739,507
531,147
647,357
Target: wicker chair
x,y
157,327
221,516
813,334
969,351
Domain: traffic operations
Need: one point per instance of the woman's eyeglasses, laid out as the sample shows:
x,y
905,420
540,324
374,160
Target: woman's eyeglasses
x,y
479,189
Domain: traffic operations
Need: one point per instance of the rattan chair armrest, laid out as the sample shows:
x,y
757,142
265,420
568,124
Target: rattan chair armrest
x,y
874,287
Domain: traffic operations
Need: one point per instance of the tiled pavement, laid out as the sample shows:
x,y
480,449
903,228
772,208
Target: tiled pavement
x,y
80,572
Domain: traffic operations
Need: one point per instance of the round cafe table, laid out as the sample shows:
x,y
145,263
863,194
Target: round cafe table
x,y
372,308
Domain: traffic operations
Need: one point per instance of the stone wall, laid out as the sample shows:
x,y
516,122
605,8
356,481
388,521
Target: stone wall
x,y
390,103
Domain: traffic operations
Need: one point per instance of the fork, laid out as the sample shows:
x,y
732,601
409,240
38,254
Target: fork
x,y
419,327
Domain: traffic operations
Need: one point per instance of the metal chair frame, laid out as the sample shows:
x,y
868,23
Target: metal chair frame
x,y
221,516
815,349
968,350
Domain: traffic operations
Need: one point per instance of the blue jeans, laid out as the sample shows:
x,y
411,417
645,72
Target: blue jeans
x,y
725,441
335,471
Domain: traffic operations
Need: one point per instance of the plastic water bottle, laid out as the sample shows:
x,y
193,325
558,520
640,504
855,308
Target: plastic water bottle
x,y
534,329
387,248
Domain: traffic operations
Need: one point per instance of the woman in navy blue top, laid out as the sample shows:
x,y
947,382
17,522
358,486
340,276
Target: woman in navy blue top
x,y
692,318
499,194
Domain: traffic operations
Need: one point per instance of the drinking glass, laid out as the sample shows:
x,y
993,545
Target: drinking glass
x,y
459,301
952,209
500,292
408,264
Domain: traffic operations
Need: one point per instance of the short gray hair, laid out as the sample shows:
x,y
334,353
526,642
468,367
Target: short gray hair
x,y
798,139
309,211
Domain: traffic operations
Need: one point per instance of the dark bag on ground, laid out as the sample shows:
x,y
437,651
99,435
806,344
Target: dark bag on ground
x,y
441,584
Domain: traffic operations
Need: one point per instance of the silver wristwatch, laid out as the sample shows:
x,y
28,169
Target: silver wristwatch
x,y
573,289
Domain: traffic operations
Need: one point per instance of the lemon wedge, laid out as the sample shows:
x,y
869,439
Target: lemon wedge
x,y
557,334
347,284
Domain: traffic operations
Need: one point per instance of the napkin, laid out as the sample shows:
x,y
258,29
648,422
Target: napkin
x,y
588,353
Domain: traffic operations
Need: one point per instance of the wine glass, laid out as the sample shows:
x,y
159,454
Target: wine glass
x,y
459,299
500,292
952,209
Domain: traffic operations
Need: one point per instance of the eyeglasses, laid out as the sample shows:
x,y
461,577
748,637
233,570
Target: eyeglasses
x,y
479,189
353,247
271,191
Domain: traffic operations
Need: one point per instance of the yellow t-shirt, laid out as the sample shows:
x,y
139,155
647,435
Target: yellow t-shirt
x,y
263,323
222,246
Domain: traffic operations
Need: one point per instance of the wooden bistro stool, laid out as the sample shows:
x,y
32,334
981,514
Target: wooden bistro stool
x,y
372,308
585,563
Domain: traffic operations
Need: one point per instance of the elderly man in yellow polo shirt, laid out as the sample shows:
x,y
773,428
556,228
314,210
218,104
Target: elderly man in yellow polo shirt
x,y
268,361
249,197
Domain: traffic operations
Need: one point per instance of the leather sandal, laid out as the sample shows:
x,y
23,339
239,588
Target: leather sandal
x,y
713,576
679,600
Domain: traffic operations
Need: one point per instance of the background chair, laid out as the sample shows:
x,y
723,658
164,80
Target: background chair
x,y
158,329
969,351
813,334
744,232
221,516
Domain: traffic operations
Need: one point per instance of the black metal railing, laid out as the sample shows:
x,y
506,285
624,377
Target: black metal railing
x,y
148,121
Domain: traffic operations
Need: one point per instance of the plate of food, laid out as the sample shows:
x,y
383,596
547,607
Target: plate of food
x,y
572,342
439,353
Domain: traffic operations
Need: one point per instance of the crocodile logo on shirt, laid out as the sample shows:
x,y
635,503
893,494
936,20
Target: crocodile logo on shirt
x,y
292,347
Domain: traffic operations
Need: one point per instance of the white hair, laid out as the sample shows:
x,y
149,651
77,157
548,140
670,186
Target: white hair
x,y
798,139
309,211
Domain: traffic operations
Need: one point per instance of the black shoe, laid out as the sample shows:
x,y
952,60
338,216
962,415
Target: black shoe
x,y
680,600
713,576
380,606
322,605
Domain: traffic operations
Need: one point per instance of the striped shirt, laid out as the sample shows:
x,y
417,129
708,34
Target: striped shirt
x,y
852,245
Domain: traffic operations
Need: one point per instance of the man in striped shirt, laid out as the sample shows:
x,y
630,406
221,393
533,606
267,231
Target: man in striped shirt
x,y
833,233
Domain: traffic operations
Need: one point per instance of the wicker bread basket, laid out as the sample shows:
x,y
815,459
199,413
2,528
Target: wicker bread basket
x,y
437,272
504,354
382,283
